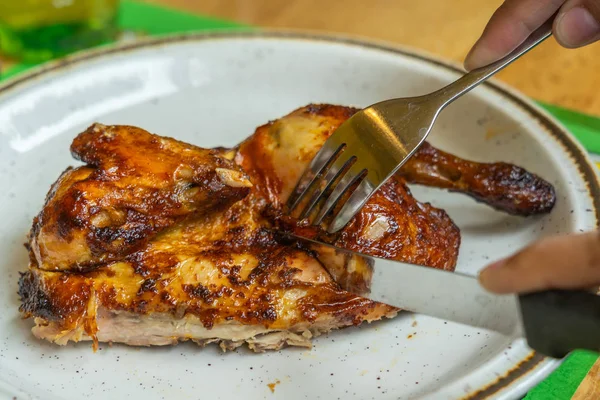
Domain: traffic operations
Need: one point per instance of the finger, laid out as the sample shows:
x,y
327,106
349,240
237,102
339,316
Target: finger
x,y
564,262
510,25
578,23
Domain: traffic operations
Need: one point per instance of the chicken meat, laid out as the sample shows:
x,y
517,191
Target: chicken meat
x,y
156,241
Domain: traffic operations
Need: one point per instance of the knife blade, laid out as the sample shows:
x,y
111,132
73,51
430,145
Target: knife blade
x,y
554,322
451,296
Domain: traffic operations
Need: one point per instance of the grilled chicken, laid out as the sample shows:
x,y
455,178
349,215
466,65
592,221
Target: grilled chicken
x,y
155,241
502,186
115,204
223,278
276,156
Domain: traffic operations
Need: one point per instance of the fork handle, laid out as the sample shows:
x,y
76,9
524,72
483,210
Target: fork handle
x,y
468,81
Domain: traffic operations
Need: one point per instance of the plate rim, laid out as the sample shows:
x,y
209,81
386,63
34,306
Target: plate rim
x,y
533,362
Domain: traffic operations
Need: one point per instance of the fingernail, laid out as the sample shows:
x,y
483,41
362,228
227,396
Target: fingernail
x,y
577,27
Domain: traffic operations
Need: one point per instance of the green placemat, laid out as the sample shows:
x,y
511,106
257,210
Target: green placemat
x,y
155,20
585,128
564,381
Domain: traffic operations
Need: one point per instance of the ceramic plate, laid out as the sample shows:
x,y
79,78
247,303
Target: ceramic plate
x,y
214,90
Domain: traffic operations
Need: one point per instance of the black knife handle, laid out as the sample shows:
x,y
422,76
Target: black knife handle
x,y
557,322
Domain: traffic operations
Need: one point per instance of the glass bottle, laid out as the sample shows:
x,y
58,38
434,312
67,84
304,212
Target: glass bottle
x,y
38,30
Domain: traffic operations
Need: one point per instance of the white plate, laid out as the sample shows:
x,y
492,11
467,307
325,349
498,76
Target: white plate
x,y
214,90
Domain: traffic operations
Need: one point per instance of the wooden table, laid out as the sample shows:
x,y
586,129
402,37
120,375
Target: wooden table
x,y
569,78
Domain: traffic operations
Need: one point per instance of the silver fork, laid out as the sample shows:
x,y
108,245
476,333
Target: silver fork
x,y
374,143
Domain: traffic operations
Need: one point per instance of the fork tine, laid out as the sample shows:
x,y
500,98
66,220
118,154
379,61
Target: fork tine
x,y
337,168
354,173
355,202
322,159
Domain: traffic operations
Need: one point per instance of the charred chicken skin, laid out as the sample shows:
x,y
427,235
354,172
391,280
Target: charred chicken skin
x,y
114,205
155,241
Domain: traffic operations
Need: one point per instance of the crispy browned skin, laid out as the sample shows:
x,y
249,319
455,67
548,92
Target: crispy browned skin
x,y
135,184
506,187
220,276
224,276
392,224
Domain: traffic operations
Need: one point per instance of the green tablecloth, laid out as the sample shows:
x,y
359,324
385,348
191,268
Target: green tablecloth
x,y
154,20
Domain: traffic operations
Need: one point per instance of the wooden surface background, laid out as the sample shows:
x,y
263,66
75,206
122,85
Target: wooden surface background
x,y
570,78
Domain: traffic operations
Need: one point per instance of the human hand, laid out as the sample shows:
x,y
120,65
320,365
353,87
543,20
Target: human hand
x,y
562,262
576,24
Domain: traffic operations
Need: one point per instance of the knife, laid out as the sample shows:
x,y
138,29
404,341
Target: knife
x,y
553,322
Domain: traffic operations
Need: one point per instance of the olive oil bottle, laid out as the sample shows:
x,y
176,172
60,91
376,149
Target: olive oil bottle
x,y
39,30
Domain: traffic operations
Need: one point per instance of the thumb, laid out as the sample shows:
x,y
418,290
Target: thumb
x,y
578,23
562,262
